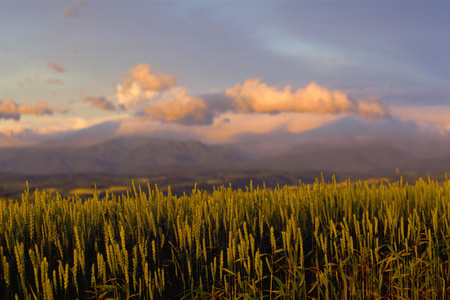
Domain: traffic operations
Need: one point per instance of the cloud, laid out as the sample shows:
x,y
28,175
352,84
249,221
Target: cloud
x,y
37,79
8,110
179,108
29,80
154,95
256,96
229,127
11,110
175,105
54,81
63,111
39,109
144,83
100,102
55,67
150,78
426,116
73,10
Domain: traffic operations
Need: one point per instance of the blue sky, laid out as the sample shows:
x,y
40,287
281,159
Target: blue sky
x,y
212,70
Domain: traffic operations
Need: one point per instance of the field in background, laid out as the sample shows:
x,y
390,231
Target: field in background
x,y
322,240
13,185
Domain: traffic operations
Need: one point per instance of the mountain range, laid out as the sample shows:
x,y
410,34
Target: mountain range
x,y
127,155
346,146
134,155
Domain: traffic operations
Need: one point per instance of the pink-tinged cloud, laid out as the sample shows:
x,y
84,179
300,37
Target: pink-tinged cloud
x,y
143,84
11,110
154,95
179,108
150,78
55,67
100,102
73,10
8,110
255,96
426,116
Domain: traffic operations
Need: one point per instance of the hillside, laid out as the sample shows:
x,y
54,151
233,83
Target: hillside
x,y
182,164
130,155
137,155
366,158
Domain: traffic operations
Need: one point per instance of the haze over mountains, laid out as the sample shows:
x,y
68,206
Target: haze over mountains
x,y
326,149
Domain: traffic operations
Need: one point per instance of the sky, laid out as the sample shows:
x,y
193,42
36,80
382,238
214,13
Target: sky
x,y
218,71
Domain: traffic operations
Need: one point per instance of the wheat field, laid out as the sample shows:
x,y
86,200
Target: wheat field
x,y
352,240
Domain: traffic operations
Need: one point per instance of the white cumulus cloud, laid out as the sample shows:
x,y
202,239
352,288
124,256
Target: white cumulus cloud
x,y
143,84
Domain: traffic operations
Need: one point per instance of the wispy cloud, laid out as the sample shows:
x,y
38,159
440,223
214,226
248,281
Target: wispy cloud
x,y
99,102
426,116
37,80
11,110
63,111
55,67
29,80
74,9
53,81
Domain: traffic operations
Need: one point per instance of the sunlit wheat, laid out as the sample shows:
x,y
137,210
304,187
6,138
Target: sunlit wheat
x,y
320,240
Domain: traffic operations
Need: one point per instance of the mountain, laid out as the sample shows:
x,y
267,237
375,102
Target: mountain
x,y
83,137
126,155
428,166
354,157
134,155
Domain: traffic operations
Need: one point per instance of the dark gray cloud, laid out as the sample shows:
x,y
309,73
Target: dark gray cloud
x,y
6,116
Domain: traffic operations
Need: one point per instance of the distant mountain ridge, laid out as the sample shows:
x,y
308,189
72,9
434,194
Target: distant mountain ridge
x,y
126,155
143,155
356,157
